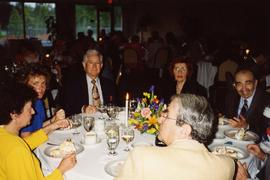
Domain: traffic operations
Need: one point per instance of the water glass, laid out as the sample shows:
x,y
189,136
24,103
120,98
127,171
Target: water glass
x,y
112,133
127,134
88,123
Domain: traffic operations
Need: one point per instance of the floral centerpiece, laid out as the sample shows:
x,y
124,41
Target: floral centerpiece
x,y
145,117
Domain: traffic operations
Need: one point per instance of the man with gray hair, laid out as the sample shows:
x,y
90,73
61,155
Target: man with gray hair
x,y
87,90
184,127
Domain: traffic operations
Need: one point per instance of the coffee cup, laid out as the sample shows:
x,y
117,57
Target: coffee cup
x,y
90,138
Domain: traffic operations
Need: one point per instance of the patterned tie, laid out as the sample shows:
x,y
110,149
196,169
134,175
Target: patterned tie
x,y
244,108
95,94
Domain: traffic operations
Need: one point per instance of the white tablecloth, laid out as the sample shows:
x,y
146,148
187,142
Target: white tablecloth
x,y
91,162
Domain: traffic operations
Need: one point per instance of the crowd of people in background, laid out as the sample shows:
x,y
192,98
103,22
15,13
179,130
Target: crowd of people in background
x,y
62,76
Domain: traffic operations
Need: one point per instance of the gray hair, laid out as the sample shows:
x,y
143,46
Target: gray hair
x,y
92,52
195,111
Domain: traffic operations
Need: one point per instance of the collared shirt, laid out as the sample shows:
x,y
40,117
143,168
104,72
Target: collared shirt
x,y
241,103
90,87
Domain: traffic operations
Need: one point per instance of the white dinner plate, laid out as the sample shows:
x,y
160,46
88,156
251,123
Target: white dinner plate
x,y
229,150
249,135
113,168
49,149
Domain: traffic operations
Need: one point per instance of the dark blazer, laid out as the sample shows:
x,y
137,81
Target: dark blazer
x,y
257,122
74,93
168,89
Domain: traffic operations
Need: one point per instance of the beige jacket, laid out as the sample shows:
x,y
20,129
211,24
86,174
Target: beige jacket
x,y
183,160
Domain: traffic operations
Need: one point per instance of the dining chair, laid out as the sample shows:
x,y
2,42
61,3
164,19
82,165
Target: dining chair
x,y
130,58
161,60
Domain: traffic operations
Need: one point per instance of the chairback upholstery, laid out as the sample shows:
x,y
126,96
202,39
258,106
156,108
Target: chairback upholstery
x,y
161,57
130,58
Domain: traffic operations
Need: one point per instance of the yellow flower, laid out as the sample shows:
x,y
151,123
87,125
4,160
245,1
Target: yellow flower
x,y
151,131
152,120
137,114
133,121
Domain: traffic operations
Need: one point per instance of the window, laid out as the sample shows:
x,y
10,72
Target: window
x,y
86,19
11,21
36,15
118,18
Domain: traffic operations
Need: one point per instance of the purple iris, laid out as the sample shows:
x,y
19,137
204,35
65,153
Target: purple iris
x,y
152,89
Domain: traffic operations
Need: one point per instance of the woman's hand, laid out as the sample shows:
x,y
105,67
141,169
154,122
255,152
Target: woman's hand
x,y
67,163
60,115
56,125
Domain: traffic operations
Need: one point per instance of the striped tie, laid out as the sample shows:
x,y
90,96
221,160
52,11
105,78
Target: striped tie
x,y
244,108
95,94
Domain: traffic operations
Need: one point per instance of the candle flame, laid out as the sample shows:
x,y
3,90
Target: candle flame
x,y
247,51
127,96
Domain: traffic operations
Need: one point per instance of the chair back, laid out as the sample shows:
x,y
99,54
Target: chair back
x,y
130,58
161,58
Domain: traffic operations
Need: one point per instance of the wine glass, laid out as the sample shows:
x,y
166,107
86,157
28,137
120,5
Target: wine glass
x,y
127,135
112,132
132,105
102,110
112,112
88,123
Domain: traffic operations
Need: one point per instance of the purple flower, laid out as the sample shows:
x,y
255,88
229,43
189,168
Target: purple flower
x,y
145,127
152,89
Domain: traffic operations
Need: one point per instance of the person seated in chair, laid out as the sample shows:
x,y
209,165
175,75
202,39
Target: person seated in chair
x,y
244,107
87,90
181,71
184,127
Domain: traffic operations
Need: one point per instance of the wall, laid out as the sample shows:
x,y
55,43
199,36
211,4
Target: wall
x,y
241,19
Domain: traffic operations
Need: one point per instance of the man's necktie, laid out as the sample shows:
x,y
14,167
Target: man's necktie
x,y
95,94
244,108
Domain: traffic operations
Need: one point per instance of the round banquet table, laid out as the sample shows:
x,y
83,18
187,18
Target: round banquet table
x,y
93,159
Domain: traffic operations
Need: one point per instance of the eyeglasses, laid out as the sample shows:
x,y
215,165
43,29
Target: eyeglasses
x,y
164,114
246,83
178,69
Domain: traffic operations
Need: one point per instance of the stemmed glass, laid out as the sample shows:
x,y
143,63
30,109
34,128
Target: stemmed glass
x,y
88,123
132,105
112,112
76,121
102,110
127,134
112,132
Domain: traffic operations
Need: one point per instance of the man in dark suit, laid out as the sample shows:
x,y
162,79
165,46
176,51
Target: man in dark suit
x,y
86,90
246,104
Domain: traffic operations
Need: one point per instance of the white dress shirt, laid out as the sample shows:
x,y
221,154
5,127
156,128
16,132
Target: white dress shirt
x,y
90,87
241,103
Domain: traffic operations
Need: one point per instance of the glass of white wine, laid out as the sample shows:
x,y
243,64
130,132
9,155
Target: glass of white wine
x,y
127,134
112,132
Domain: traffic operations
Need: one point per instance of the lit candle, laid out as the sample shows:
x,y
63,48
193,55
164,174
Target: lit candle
x,y
127,97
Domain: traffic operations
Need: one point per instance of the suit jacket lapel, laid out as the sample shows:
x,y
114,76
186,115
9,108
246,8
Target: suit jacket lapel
x,y
84,89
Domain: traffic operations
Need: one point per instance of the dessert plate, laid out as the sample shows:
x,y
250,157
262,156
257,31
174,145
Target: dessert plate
x,y
249,135
113,167
54,151
229,150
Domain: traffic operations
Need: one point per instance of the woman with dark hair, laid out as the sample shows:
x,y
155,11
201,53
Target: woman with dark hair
x,y
37,77
181,71
17,160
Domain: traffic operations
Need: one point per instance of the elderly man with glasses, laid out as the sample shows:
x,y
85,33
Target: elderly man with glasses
x,y
184,127
245,106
